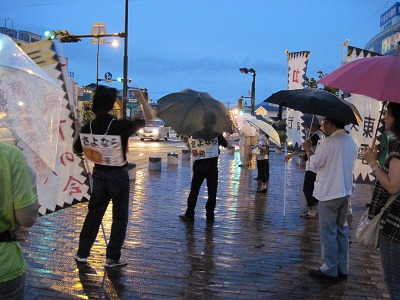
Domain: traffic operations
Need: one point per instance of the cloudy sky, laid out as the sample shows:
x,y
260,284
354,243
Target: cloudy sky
x,y
201,44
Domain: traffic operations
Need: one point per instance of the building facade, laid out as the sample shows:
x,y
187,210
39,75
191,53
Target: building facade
x,y
386,41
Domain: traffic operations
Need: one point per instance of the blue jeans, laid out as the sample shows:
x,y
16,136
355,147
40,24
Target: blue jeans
x,y
334,234
13,289
390,258
107,185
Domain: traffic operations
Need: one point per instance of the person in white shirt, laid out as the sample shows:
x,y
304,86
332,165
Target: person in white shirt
x,y
262,155
334,161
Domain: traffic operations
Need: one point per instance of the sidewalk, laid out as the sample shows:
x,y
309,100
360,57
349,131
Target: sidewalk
x,y
252,251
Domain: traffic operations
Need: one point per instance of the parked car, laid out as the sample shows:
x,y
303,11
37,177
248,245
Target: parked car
x,y
154,129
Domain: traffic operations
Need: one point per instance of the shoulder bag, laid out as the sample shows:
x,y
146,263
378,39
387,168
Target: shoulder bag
x,y
367,232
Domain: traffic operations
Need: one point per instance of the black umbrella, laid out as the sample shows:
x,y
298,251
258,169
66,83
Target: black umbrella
x,y
195,114
317,102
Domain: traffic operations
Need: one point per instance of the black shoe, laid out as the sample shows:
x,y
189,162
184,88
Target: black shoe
x,y
320,274
262,190
342,276
185,218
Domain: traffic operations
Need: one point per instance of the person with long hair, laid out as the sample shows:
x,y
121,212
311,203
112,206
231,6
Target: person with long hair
x,y
388,183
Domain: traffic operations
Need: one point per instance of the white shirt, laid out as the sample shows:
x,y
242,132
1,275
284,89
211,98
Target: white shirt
x,y
334,161
262,142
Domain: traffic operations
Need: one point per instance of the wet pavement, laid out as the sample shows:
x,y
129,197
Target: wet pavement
x,y
252,251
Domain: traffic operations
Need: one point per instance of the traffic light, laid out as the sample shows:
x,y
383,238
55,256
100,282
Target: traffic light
x,y
244,70
69,39
240,103
50,35
120,79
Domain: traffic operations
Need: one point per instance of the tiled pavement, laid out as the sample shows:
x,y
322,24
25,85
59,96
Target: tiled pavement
x,y
252,251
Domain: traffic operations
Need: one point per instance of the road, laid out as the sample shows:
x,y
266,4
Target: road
x,y
139,152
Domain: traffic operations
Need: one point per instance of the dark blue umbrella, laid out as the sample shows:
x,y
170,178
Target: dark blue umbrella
x,y
317,102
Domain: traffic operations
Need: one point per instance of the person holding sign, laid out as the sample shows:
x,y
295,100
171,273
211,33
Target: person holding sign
x,y
205,154
104,141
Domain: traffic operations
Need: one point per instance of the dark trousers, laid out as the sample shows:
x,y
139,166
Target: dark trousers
x,y
308,188
263,170
203,169
107,185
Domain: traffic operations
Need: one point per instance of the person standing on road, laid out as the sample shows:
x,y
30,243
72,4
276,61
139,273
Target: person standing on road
x,y
388,184
205,154
104,141
334,161
317,135
18,206
262,155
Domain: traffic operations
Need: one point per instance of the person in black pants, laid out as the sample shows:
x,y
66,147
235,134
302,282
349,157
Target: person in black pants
x,y
205,154
104,141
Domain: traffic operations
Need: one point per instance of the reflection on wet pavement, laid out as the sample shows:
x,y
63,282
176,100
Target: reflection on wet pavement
x,y
251,251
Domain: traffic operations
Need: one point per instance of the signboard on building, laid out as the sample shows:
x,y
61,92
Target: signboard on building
x,y
390,16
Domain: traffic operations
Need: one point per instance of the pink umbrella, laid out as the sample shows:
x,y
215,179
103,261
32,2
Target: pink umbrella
x,y
377,77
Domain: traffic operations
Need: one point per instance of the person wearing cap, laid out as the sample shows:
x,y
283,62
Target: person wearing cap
x,y
104,141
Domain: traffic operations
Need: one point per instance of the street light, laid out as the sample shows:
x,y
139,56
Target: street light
x,y
98,42
253,86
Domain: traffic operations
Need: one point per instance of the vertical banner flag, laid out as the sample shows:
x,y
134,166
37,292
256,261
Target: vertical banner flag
x,y
365,132
297,67
68,184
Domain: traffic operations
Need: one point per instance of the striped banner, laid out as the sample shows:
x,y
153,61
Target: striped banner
x,y
297,67
68,184
369,109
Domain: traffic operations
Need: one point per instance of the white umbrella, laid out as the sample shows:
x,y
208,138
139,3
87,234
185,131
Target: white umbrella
x,y
268,129
30,101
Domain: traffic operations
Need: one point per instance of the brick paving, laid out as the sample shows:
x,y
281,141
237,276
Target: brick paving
x,y
252,251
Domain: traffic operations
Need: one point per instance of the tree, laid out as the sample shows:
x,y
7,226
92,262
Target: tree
x,y
85,114
311,83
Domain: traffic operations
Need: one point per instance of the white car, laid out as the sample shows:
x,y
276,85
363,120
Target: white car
x,y
154,130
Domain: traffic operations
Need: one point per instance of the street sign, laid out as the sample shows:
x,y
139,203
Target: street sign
x,y
98,41
131,96
107,81
108,76
98,28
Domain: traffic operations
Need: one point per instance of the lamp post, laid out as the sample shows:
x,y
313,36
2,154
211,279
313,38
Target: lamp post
x,y
125,84
98,42
253,87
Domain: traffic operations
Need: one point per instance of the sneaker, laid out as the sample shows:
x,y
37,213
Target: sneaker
x,y
185,218
309,214
110,263
80,259
312,215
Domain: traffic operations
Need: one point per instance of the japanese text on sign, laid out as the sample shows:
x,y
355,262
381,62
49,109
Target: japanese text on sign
x,y
103,149
202,149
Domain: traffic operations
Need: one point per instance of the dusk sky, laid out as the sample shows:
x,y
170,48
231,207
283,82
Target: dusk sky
x,y
177,44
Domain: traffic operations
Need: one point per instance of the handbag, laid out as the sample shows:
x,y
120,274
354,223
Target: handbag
x,y
367,232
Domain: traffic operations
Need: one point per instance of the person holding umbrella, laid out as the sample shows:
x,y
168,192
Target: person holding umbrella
x,y
205,154
334,161
104,141
261,149
388,184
